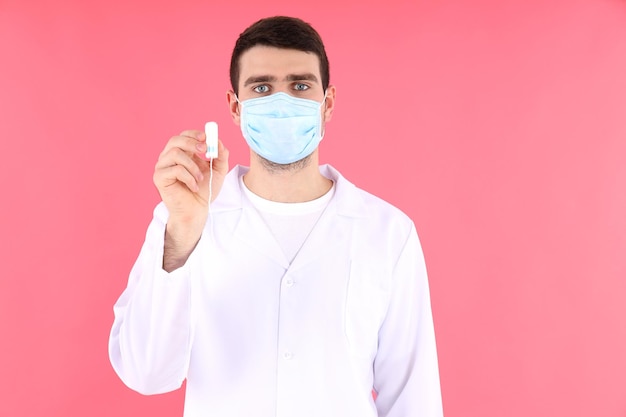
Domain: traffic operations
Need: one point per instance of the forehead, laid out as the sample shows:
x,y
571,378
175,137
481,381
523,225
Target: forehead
x,y
278,62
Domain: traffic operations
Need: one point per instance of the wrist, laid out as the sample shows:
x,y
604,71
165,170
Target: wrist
x,y
180,241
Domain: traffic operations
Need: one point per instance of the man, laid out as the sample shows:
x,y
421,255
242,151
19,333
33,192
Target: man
x,y
295,293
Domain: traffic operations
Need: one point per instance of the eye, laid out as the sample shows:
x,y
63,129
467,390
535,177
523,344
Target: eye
x,y
263,88
300,87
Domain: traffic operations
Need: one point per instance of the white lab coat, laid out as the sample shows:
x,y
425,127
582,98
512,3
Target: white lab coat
x,y
255,336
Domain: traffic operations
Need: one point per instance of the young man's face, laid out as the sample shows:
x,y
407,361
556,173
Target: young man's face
x,y
266,70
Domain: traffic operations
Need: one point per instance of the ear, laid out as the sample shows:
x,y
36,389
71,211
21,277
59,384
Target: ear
x,y
329,104
233,106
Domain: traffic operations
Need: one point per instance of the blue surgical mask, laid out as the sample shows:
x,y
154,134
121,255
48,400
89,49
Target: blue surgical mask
x,y
281,128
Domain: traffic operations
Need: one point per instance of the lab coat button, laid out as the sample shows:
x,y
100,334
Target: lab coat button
x,y
289,282
287,355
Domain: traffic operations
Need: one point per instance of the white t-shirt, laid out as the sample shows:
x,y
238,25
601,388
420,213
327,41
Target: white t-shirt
x,y
290,223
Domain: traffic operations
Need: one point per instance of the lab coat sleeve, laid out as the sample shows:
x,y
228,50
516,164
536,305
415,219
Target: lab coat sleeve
x,y
151,336
406,375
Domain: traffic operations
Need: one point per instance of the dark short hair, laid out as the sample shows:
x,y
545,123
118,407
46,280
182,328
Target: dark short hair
x,y
280,32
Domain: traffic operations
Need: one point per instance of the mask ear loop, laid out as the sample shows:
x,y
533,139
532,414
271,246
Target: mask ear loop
x,y
324,126
240,105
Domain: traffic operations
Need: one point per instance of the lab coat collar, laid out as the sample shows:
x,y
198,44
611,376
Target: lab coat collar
x,y
329,232
347,200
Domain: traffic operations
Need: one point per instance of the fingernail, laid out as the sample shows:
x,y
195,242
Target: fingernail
x,y
200,147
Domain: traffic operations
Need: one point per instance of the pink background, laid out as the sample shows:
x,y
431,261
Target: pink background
x,y
499,127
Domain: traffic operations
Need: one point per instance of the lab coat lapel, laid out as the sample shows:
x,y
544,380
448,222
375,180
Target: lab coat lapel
x,y
330,233
253,231
250,228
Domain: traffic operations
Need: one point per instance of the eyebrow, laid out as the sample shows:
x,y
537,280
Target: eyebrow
x,y
259,79
301,77
291,77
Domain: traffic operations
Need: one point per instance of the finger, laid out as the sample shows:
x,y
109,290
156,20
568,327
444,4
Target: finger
x,y
195,134
177,156
168,176
186,143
